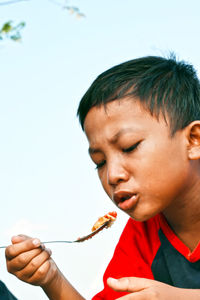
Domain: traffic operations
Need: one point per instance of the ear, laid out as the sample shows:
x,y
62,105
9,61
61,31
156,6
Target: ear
x,y
193,137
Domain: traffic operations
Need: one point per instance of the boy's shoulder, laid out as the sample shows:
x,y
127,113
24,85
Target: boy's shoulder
x,y
5,294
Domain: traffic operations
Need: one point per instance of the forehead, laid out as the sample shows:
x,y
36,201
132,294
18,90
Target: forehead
x,y
120,115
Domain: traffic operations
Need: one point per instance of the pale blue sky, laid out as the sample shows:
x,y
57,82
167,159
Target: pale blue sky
x,y
46,177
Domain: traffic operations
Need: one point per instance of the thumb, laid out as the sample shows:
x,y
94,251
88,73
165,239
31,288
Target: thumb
x,y
129,284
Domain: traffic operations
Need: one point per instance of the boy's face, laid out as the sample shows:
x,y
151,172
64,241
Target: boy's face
x,y
141,167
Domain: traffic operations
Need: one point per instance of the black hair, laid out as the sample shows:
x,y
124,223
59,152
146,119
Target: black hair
x,y
162,85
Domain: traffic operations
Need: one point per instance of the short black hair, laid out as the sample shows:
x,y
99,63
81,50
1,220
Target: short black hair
x,y
162,85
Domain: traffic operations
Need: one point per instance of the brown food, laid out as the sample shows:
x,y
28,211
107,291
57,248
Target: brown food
x,y
111,216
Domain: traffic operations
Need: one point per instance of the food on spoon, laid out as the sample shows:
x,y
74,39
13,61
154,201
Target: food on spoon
x,y
111,217
102,222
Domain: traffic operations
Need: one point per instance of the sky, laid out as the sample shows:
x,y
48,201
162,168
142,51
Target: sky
x,y
48,186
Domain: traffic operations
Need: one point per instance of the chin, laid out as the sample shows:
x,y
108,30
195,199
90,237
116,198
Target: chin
x,y
141,216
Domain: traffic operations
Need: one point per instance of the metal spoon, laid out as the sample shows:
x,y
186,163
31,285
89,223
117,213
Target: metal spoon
x,y
82,239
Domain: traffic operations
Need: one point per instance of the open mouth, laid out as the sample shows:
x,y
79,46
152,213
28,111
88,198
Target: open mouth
x,y
125,200
122,196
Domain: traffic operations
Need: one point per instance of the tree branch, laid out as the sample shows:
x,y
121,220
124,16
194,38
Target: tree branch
x,y
11,2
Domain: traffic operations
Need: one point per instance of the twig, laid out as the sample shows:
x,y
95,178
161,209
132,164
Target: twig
x,y
11,2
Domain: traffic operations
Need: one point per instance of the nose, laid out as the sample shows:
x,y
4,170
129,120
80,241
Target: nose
x,y
116,172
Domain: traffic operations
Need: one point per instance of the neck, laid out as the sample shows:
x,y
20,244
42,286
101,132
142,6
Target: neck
x,y
184,216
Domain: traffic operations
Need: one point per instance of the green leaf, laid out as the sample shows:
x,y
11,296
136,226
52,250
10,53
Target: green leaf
x,y
20,26
7,27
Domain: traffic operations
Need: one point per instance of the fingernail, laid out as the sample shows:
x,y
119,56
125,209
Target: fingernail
x,y
36,242
112,280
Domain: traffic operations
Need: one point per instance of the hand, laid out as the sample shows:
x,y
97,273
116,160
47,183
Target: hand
x,y
29,261
147,289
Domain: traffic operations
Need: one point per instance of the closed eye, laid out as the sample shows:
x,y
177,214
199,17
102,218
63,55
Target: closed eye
x,y
130,149
101,164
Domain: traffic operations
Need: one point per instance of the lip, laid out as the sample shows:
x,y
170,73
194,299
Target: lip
x,y
125,200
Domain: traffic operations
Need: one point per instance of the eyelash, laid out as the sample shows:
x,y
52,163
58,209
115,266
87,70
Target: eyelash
x,y
130,149
98,166
127,150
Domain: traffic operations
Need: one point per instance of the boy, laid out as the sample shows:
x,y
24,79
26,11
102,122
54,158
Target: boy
x,y
142,121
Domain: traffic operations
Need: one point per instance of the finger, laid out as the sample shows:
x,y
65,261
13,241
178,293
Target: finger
x,y
34,265
142,295
43,274
22,260
18,248
19,238
129,284
22,237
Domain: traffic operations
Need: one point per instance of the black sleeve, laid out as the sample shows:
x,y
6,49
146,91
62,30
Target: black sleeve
x,y
5,294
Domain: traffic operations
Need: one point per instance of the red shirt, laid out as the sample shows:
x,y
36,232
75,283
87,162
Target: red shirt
x,y
152,250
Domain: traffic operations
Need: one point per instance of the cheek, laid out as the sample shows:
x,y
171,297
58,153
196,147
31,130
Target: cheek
x,y
168,175
160,161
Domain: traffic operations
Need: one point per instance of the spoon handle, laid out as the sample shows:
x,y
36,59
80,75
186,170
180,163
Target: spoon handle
x,y
82,239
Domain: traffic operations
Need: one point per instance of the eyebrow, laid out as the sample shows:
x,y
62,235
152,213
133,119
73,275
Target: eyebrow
x,y
122,131
113,139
